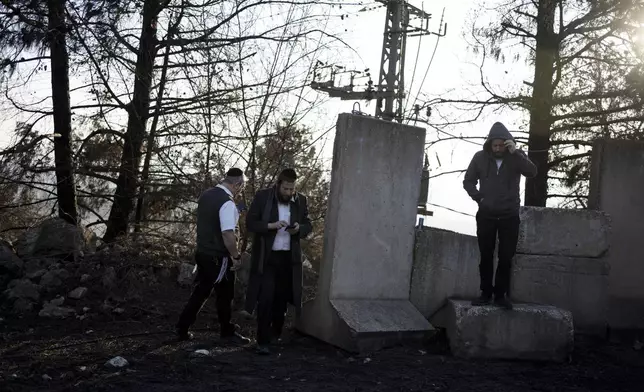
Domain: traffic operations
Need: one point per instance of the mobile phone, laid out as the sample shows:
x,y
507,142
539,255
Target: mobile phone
x,y
290,227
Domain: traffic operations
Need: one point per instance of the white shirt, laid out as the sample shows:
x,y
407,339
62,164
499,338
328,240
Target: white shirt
x,y
498,165
283,238
228,213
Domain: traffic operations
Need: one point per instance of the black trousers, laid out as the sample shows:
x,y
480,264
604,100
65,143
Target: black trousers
x,y
207,273
487,229
275,293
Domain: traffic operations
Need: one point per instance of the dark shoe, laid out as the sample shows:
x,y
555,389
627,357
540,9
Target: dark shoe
x,y
184,335
482,300
504,303
236,338
263,349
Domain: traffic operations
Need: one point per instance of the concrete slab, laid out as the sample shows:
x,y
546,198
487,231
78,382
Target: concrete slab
x,y
362,303
530,332
579,285
563,232
446,265
616,187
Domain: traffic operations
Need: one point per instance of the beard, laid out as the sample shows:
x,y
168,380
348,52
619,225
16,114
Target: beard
x,y
283,198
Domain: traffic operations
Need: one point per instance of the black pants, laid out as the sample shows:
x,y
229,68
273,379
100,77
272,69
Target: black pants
x,y
508,232
275,293
207,272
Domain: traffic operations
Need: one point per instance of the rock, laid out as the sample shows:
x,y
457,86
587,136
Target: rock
x,y
532,332
84,278
23,288
52,238
23,305
563,232
118,310
36,275
50,309
186,275
117,362
109,278
199,353
10,263
58,301
53,279
77,293
38,264
46,377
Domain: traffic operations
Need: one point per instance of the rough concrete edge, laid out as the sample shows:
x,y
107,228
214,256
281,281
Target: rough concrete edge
x,y
342,336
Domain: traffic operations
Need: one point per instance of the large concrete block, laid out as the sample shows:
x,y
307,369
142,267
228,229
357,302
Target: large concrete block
x,y
579,285
533,332
563,232
446,265
617,187
362,303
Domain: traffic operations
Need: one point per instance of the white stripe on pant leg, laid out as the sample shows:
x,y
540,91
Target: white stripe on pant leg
x,y
222,271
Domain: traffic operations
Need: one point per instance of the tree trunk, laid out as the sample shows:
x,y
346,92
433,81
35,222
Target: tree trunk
x,y
139,216
138,114
65,188
547,45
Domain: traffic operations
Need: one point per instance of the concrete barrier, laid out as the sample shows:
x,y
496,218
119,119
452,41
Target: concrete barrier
x,y
362,303
446,265
531,332
563,232
579,285
617,187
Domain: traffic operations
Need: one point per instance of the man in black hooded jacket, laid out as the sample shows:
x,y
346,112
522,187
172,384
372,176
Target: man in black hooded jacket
x,y
497,169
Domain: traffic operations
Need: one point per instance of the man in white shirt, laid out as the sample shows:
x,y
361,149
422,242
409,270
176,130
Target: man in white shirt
x,y
217,218
278,217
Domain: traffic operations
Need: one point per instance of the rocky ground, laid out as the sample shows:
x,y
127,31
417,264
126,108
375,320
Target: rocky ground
x,y
103,322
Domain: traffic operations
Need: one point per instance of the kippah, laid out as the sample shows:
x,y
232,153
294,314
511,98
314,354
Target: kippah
x,y
234,172
289,173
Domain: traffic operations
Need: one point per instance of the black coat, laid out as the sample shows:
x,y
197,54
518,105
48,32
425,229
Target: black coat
x,y
263,210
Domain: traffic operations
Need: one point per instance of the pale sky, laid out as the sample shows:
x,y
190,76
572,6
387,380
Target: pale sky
x,y
454,70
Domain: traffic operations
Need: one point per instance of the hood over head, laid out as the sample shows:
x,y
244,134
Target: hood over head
x,y
498,131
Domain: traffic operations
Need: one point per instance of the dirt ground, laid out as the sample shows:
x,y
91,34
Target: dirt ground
x,y
38,354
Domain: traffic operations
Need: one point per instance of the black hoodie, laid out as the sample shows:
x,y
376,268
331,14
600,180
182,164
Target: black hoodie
x,y
498,193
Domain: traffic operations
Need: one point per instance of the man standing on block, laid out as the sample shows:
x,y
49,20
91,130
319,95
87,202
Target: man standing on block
x,y
497,169
279,219
217,218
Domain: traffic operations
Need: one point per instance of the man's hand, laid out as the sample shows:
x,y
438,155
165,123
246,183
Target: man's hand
x,y
295,229
277,225
237,263
511,146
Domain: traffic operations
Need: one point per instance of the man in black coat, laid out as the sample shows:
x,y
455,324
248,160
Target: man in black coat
x,y
279,219
497,169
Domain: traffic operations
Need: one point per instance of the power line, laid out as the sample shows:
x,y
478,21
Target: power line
x,y
451,209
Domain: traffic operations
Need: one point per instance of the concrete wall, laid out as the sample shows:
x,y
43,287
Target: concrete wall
x,y
446,265
617,187
577,284
362,301
560,262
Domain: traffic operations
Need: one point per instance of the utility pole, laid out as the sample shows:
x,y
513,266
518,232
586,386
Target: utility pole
x,y
390,90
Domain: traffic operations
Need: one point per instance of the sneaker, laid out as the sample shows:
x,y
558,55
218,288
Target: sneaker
x,y
503,302
183,335
263,349
482,300
236,338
